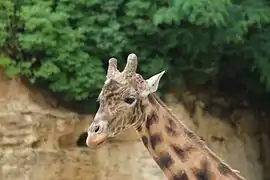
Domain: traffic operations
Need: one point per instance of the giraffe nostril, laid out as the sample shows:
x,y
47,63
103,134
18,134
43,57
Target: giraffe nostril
x,y
96,129
96,135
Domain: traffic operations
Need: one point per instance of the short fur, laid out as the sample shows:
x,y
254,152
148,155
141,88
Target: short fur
x,y
179,152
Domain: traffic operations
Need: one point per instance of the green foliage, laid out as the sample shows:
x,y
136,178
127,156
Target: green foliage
x,y
64,45
9,66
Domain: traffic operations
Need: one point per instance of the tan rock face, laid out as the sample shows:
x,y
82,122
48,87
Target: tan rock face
x,y
39,142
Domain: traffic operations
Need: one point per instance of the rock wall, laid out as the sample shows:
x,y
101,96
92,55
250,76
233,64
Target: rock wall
x,y
40,142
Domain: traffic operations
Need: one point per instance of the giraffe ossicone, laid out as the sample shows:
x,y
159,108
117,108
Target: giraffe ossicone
x,y
128,100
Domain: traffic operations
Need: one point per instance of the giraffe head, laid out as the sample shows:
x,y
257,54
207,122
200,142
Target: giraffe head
x,y
120,101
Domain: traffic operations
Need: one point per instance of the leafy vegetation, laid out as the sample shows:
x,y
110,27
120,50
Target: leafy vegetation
x,y
64,45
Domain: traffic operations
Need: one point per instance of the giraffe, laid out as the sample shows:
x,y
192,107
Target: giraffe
x,y
127,100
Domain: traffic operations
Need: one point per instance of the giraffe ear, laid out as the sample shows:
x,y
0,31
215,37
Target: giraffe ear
x,y
152,83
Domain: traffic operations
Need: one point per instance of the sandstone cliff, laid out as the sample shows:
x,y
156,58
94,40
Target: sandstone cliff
x,y
38,141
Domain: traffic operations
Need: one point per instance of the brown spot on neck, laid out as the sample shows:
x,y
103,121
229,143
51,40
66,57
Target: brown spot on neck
x,y
182,175
179,152
170,130
155,140
182,152
204,172
164,160
151,119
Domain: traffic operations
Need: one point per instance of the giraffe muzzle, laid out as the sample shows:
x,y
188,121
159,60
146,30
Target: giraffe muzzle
x,y
96,139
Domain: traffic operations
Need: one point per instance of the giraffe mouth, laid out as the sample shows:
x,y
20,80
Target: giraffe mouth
x,y
96,139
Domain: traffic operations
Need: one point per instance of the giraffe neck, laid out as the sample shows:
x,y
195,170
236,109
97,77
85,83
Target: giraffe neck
x,y
178,151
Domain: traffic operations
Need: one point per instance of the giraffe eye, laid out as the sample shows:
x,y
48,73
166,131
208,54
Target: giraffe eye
x,y
129,100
